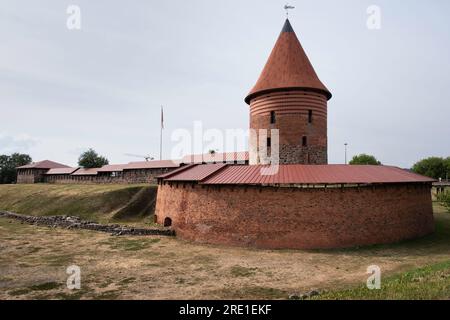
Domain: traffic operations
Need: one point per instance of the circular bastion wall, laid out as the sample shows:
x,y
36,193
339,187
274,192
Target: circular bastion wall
x,y
296,218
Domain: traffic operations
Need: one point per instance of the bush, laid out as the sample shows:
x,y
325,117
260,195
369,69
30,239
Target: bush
x,y
444,198
433,167
8,165
90,159
365,159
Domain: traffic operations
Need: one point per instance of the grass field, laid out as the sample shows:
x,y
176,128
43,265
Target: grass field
x,y
101,203
33,262
431,282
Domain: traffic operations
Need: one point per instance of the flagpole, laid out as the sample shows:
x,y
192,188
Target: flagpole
x,y
160,136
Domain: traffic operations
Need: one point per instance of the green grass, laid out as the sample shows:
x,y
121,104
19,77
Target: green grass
x,y
428,283
101,203
445,199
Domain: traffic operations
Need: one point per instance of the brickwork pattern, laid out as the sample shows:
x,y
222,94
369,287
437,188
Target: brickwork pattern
x,y
133,176
298,114
296,218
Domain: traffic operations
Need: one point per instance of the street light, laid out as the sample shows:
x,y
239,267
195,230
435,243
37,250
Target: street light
x,y
346,144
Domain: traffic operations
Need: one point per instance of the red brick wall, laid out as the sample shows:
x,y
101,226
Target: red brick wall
x,y
292,119
297,218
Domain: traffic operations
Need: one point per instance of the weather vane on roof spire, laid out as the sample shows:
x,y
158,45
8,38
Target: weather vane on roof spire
x,y
287,7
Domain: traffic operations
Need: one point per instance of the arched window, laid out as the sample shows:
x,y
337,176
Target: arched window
x,y
272,117
305,141
167,222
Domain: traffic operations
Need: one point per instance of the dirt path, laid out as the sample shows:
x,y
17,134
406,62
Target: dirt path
x,y
33,262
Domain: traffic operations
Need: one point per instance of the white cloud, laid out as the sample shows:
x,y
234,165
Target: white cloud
x,y
18,143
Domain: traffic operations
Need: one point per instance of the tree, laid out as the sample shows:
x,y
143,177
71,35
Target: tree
x,y
91,159
8,165
447,167
433,167
365,159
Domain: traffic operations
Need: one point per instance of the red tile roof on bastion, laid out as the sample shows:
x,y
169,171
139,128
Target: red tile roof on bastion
x,y
296,174
288,67
195,172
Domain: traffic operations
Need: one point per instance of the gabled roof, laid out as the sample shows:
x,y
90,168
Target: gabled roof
x,y
157,164
288,67
86,172
216,157
45,164
61,171
112,168
296,174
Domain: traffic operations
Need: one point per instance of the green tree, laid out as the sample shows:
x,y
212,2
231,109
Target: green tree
x,y
365,159
91,159
8,165
433,167
447,167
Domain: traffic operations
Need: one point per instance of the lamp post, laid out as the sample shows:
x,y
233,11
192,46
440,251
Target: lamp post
x,y
346,144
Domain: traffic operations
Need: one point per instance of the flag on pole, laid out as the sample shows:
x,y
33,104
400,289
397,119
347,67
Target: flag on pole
x,y
162,118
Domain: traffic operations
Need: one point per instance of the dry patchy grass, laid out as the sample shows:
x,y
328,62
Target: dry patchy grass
x,y
33,262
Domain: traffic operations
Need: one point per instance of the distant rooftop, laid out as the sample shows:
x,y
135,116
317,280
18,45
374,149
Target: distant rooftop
x,y
156,164
112,168
45,164
61,171
86,172
217,157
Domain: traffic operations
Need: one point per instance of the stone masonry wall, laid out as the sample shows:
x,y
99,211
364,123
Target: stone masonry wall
x,y
26,176
143,175
298,218
134,176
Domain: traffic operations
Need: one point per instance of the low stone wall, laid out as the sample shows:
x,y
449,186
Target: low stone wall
x,y
134,176
144,175
297,218
77,223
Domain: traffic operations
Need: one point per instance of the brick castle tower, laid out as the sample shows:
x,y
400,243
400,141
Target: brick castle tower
x,y
289,96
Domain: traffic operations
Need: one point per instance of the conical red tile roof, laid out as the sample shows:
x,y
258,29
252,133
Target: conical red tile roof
x,y
288,67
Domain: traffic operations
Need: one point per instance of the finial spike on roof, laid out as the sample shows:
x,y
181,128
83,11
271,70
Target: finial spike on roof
x,y
287,7
287,27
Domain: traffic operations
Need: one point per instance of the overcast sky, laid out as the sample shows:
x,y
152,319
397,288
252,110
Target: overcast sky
x,y
63,91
